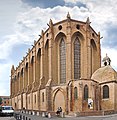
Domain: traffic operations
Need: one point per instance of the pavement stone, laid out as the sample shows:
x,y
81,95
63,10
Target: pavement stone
x,y
39,117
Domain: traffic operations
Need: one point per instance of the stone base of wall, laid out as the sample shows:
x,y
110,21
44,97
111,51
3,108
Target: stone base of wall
x,y
109,112
91,113
96,113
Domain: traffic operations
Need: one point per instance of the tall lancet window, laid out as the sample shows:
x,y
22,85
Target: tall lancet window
x,y
105,91
62,61
76,58
86,92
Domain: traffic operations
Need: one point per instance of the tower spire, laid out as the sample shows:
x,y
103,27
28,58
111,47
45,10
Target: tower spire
x,y
68,16
50,22
88,21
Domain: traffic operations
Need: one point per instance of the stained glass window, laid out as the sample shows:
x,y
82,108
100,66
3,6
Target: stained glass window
x,y
105,91
85,92
75,93
76,59
62,61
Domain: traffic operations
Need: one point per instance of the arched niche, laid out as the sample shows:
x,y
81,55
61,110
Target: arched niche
x,y
22,70
79,35
59,36
93,55
32,70
46,61
26,74
38,65
39,53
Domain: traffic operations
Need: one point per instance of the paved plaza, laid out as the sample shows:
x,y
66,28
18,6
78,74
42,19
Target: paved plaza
x,y
7,118
35,117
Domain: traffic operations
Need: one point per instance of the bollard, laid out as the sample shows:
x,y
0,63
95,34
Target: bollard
x,y
23,117
29,118
37,113
43,114
20,117
75,114
49,115
26,118
33,113
29,112
103,113
62,114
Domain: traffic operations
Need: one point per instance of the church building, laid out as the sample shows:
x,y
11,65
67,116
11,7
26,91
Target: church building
x,y
63,69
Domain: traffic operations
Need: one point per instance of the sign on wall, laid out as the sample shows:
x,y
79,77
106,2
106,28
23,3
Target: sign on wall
x,y
90,103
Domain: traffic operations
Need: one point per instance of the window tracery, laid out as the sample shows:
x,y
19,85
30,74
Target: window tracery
x,y
75,93
76,59
86,92
105,91
62,61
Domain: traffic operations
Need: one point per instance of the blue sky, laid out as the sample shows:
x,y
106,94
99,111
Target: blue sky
x,y
21,21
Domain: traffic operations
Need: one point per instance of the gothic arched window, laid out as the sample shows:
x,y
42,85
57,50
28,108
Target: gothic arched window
x,y
62,61
26,75
105,91
47,60
22,72
29,99
32,69
76,59
75,93
18,75
85,92
43,97
35,98
38,67
93,55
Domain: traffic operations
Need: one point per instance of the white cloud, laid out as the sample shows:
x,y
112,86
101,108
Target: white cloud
x,y
70,1
5,79
101,15
29,24
6,46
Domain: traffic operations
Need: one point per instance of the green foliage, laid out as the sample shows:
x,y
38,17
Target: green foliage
x,y
0,100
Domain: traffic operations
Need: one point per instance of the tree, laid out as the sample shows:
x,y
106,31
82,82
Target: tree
x,y
0,100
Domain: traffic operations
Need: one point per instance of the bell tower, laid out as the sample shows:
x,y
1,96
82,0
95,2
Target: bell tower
x,y
106,60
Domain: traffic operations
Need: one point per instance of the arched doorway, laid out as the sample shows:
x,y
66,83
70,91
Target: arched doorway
x,y
59,100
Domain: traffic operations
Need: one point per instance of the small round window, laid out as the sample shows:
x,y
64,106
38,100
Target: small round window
x,y
93,35
78,26
60,27
47,35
